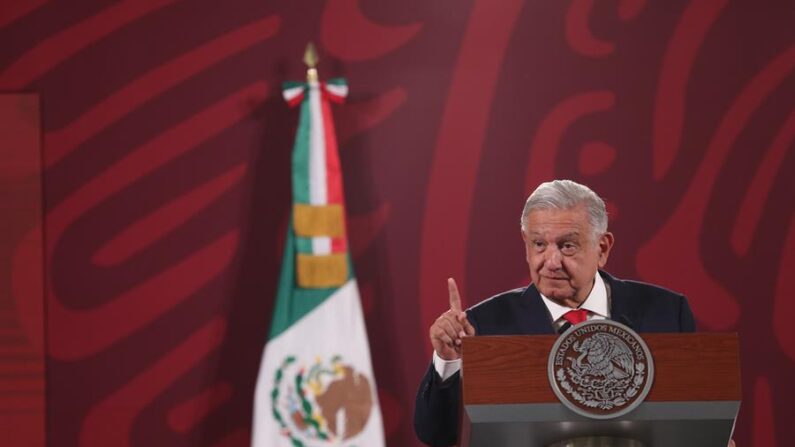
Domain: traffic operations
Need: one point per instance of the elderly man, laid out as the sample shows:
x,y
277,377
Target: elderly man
x,y
564,228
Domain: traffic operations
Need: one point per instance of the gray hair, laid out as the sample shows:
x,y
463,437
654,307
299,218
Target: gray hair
x,y
565,195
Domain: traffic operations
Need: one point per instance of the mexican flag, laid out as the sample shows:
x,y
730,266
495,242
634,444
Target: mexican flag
x,y
315,385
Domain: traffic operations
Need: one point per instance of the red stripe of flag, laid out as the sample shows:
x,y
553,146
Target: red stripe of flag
x,y
333,172
295,100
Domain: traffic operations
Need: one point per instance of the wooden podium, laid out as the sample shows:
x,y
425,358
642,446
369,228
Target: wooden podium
x,y
508,400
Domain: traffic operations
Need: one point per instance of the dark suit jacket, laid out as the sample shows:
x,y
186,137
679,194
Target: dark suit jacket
x,y
643,307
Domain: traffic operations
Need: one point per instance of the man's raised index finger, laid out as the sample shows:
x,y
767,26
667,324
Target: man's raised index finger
x,y
455,298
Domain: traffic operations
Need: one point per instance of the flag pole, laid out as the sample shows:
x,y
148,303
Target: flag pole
x,y
310,59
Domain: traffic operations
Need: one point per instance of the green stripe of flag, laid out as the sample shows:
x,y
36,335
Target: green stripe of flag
x,y
301,154
303,244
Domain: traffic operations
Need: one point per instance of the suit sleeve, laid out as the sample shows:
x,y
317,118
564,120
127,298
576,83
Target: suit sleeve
x,y
436,409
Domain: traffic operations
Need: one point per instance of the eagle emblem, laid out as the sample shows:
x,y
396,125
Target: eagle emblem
x,y
600,369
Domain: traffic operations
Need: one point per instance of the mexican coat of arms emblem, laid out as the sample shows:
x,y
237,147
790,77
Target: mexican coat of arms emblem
x,y
600,369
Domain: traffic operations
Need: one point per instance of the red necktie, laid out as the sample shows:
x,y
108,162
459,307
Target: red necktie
x,y
576,316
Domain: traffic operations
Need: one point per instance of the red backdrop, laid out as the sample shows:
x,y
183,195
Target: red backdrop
x,y
166,182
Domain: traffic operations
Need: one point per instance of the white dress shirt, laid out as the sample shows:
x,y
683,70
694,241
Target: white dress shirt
x,y
597,304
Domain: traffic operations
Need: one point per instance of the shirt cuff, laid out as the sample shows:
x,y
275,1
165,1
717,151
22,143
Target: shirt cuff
x,y
445,368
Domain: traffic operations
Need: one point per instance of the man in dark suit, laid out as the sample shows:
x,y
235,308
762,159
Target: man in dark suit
x,y
564,228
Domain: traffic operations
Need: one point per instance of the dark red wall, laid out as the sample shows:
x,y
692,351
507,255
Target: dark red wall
x,y
167,150
22,323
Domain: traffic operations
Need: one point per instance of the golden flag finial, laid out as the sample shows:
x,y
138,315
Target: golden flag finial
x,y
310,59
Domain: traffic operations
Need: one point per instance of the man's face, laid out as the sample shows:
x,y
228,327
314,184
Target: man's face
x,y
563,255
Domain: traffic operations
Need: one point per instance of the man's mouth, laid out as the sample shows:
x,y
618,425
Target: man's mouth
x,y
552,278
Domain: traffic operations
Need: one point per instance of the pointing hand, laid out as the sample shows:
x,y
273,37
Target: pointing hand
x,y
448,330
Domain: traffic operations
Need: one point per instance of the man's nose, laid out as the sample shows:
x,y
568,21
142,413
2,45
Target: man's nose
x,y
553,259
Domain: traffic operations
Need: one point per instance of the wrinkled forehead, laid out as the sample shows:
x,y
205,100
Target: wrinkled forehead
x,y
555,226
556,220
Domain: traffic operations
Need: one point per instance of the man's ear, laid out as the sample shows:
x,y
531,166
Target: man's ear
x,y
605,244
526,246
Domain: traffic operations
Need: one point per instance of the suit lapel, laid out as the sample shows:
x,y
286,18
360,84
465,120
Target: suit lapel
x,y
534,318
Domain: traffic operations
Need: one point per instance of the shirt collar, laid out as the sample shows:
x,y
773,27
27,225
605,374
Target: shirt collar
x,y
596,302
